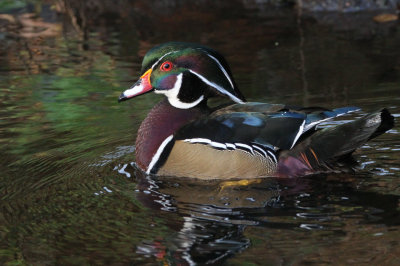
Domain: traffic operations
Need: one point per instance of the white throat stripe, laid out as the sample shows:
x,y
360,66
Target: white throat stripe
x,y
172,95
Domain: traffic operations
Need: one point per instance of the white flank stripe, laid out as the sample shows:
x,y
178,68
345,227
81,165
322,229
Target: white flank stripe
x,y
245,146
298,133
230,145
219,88
198,140
234,146
218,145
222,68
206,141
272,155
260,150
156,156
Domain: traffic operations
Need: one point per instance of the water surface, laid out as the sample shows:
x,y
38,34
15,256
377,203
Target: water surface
x,y
70,193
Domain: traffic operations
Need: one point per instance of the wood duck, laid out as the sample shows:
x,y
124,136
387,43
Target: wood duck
x,y
182,136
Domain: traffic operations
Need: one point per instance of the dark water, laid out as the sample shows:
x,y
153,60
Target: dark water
x,y
71,195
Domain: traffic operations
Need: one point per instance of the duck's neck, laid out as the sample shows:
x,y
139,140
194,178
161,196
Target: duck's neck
x,y
162,121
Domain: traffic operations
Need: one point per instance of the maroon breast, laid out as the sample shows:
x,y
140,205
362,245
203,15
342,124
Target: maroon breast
x,y
162,121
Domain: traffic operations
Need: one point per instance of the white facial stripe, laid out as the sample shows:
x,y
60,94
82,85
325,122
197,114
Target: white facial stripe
x,y
219,88
298,133
162,58
172,95
157,155
222,69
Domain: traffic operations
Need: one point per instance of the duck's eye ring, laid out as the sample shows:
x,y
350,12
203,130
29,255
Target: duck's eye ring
x,y
166,66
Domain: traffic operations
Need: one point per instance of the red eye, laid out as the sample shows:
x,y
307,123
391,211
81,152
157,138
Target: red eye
x,y
166,66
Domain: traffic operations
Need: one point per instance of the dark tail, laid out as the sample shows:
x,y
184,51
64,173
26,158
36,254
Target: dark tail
x,y
324,149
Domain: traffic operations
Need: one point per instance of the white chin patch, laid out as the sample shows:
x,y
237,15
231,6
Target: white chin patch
x,y
172,95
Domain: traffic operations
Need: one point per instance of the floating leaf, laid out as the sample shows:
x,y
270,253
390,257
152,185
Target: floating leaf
x,y
382,18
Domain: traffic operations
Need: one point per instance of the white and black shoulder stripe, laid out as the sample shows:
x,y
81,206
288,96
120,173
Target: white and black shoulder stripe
x,y
160,156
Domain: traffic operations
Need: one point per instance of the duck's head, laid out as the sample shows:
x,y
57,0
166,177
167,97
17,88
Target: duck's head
x,y
187,74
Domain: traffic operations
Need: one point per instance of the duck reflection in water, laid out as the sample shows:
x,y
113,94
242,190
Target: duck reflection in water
x,y
215,215
212,221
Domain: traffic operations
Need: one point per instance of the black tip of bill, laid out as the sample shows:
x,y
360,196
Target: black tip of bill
x,y
122,98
